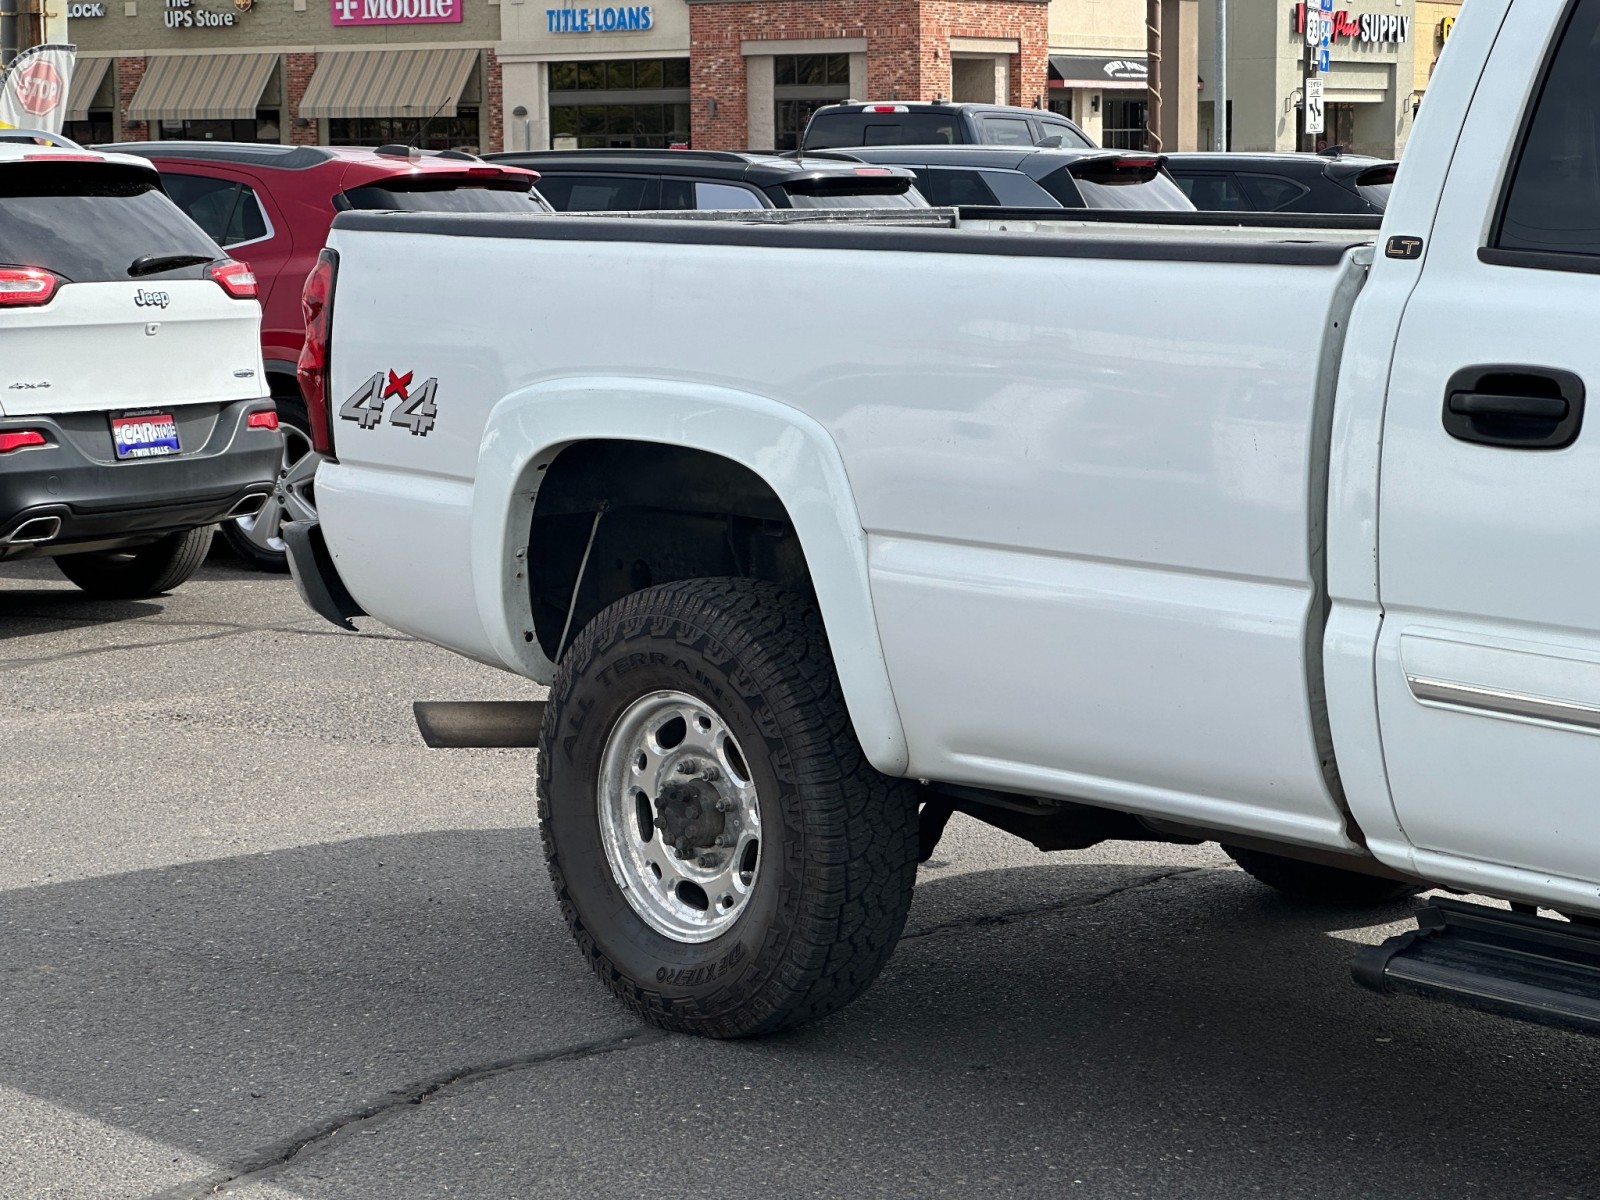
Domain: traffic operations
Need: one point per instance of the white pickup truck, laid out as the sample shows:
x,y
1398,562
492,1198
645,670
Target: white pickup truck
x,y
1288,539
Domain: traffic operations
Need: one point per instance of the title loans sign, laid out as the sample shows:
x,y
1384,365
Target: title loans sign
x,y
599,20
396,12
1366,28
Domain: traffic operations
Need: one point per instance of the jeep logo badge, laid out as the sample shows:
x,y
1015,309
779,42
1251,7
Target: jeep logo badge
x,y
144,299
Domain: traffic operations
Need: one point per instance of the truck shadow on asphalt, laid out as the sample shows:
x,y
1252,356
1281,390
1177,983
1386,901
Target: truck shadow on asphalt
x,y
1180,1023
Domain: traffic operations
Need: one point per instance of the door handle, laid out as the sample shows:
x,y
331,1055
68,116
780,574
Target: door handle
x,y
1514,407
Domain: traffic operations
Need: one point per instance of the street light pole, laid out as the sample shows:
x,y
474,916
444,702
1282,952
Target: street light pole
x,y
1152,111
1219,89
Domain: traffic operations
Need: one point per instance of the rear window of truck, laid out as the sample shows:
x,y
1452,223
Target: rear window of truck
x,y
88,222
444,196
832,130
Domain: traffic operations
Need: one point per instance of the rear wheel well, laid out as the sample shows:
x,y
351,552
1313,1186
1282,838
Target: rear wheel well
x,y
656,514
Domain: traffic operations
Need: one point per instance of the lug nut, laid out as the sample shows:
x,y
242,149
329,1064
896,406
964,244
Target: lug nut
x,y
708,860
724,839
687,768
712,773
724,806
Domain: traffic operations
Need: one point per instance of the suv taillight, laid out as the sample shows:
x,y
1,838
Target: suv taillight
x,y
237,279
316,302
27,287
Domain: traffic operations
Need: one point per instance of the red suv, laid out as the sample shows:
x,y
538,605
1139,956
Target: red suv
x,y
272,206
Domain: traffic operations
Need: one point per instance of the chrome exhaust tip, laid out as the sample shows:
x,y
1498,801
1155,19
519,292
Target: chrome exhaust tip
x,y
38,529
247,507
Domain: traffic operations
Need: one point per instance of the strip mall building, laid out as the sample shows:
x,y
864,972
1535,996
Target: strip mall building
x,y
516,74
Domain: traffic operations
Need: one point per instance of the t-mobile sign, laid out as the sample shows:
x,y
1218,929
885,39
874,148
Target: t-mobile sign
x,y
396,12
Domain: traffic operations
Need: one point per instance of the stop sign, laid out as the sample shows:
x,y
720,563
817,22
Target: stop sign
x,y
39,88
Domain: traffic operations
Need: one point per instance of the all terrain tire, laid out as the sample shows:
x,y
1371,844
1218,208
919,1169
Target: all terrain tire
x,y
723,854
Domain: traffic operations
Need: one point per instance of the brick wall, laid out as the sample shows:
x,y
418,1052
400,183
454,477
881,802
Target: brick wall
x,y
491,117
908,49
297,72
129,72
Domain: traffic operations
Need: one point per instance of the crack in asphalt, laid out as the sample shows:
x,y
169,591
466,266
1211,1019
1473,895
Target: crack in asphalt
x,y
262,1163
223,630
1064,905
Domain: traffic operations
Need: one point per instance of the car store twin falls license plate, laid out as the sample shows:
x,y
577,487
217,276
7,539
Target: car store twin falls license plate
x,y
144,435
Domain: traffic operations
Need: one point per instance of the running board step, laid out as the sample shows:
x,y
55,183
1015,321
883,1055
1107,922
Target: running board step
x,y
1517,965
468,724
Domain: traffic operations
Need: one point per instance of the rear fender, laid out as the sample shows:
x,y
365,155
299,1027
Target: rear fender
x,y
790,451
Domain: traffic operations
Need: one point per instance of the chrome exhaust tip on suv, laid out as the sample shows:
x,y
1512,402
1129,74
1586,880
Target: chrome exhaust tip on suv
x,y
35,530
249,506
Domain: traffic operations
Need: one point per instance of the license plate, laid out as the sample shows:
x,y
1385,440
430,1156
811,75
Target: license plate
x,y
144,435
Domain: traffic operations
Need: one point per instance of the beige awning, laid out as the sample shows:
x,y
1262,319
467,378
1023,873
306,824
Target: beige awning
x,y
202,87
87,76
388,83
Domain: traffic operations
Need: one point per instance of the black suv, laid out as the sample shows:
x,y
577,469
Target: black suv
x,y
995,176
1286,183
645,180
919,123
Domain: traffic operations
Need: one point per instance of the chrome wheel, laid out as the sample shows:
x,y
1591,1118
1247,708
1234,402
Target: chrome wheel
x,y
679,816
292,498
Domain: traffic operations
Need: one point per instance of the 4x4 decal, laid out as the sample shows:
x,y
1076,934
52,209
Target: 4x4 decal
x,y
417,411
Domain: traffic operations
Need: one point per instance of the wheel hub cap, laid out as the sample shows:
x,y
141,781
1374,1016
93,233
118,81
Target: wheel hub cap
x,y
679,816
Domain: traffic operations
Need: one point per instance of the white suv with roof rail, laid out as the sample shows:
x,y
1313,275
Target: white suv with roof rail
x,y
134,411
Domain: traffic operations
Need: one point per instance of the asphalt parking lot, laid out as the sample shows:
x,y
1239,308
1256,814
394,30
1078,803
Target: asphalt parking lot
x,y
257,940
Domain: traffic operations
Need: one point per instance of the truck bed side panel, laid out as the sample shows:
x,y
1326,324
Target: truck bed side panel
x,y
1085,479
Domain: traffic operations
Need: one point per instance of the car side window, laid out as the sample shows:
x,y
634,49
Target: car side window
x,y
1214,193
227,210
594,193
1070,137
1271,193
946,187
724,195
1006,131
1552,205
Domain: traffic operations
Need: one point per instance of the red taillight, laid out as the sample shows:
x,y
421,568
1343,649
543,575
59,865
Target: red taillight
x,y
316,303
886,108
20,439
26,287
237,279
873,171
266,418
62,158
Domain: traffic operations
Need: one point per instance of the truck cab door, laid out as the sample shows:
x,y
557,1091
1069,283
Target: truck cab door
x,y
1488,665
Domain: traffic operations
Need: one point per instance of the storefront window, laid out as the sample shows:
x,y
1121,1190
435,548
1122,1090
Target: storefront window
x,y
803,83
622,103
460,132
98,128
619,75
606,126
263,127
1122,125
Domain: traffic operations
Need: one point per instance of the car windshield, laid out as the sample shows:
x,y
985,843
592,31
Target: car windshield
x,y
90,223
449,196
830,130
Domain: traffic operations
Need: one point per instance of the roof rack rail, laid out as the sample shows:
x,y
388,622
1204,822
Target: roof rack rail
x,y
642,152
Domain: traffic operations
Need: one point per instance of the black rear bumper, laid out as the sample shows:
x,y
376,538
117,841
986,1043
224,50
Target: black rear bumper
x,y
101,503
315,575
